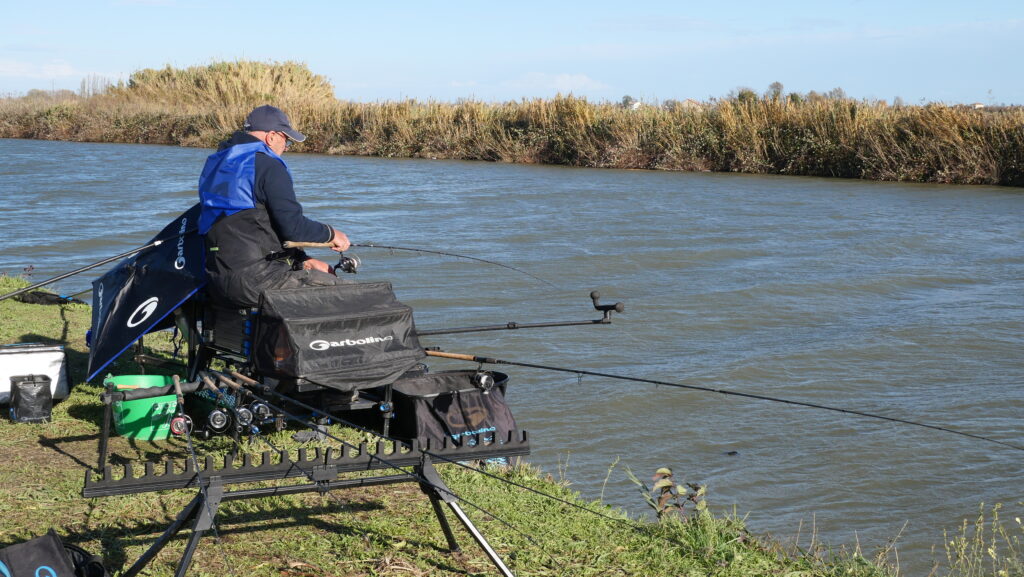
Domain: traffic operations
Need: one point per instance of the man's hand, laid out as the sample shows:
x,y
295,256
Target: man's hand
x,y
314,264
340,242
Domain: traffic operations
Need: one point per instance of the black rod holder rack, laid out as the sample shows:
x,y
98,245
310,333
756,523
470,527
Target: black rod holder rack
x,y
320,465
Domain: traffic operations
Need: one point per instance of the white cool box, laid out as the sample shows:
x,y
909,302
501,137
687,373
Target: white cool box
x,y
33,359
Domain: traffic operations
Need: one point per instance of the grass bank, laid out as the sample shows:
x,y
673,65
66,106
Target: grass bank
x,y
359,532
771,134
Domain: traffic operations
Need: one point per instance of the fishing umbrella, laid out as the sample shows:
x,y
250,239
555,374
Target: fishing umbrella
x,y
137,295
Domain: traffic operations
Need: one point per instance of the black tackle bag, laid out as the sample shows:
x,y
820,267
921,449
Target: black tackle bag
x,y
31,399
46,556
346,337
448,405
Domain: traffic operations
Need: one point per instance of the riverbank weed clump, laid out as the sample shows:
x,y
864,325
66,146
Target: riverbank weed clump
x,y
771,134
989,547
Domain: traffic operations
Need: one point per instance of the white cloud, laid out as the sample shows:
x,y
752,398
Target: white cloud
x,y
147,3
51,70
537,82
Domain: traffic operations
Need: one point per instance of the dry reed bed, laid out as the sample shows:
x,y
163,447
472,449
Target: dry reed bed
x,y
199,106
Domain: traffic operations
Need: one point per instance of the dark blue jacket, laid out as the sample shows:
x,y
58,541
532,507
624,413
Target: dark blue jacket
x,y
249,208
260,177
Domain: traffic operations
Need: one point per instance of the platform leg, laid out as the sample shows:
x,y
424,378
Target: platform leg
x,y
438,491
446,527
211,498
479,538
202,509
188,513
108,409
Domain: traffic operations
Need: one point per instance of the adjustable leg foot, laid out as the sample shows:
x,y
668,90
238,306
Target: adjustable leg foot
x,y
446,527
479,538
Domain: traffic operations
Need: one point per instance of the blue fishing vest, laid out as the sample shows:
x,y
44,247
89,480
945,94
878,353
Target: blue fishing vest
x,y
227,182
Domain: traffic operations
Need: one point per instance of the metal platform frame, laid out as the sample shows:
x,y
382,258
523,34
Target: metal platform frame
x,y
320,466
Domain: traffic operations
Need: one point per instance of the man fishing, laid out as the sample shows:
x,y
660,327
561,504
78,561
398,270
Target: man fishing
x,y
249,208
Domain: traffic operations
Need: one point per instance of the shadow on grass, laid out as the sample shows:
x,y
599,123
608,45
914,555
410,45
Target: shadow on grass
x,y
116,540
54,444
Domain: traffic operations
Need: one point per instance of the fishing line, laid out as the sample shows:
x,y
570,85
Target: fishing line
x,y
294,244
443,253
486,360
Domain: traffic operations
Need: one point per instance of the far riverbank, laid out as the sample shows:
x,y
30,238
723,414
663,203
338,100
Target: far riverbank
x,y
792,134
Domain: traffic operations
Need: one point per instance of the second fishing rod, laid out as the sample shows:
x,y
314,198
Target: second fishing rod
x,y
481,360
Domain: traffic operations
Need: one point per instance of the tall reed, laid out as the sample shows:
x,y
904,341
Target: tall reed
x,y
837,136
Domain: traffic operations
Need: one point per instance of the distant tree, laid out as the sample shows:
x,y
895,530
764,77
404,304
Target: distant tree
x,y
813,96
795,98
774,91
628,101
836,94
898,102
38,94
743,94
671,105
93,85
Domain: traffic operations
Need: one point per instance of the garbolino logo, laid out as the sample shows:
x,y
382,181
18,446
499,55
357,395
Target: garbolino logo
x,y
179,263
99,298
324,345
143,312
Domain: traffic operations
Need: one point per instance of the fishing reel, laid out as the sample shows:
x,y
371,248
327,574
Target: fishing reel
x,y
349,264
181,425
261,412
243,418
218,421
483,381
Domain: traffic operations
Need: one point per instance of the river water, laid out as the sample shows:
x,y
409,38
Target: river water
x,y
897,299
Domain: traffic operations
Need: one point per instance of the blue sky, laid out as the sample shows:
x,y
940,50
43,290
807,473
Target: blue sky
x,y
954,52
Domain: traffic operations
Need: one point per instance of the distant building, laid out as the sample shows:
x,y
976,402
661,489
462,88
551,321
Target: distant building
x,y
977,106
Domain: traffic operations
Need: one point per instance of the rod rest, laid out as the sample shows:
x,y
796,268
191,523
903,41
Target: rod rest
x,y
109,397
322,464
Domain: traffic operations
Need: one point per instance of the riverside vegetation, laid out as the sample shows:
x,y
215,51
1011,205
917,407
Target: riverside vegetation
x,y
392,531
774,133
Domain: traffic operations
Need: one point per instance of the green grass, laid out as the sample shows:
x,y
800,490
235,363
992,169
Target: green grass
x,y
389,530
795,135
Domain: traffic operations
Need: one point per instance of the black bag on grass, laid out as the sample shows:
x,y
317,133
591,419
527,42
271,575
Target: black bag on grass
x,y
41,557
46,556
31,399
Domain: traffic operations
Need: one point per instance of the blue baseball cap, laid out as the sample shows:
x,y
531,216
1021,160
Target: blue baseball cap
x,y
269,118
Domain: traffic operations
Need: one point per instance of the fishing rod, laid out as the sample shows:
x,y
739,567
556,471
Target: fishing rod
x,y
492,361
153,244
293,244
605,310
